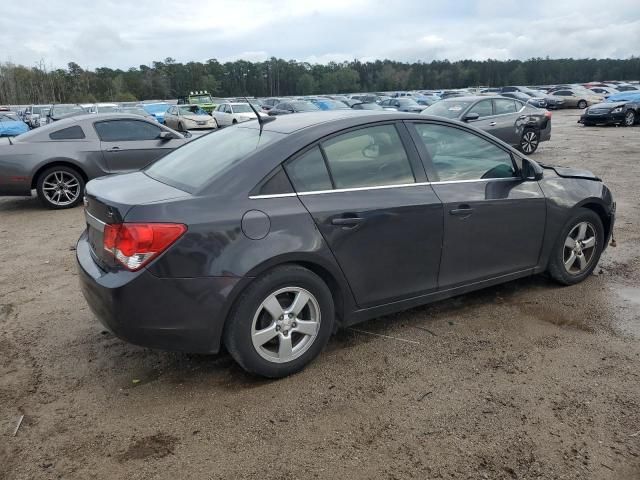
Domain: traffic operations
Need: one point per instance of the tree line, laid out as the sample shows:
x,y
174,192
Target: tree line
x,y
277,77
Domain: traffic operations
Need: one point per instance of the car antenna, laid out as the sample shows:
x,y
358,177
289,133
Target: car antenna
x,y
261,120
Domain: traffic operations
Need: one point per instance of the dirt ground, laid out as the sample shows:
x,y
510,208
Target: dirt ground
x,y
525,380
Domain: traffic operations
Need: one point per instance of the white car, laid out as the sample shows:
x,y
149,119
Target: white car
x,y
188,117
230,113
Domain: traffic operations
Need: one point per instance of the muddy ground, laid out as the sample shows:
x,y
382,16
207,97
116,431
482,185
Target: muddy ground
x,y
526,380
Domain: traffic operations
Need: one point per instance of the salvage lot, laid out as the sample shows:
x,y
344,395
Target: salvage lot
x,y
523,380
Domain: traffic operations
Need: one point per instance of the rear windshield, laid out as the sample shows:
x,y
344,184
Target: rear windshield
x,y
198,162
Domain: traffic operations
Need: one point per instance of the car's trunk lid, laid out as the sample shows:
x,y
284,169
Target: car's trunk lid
x,y
109,199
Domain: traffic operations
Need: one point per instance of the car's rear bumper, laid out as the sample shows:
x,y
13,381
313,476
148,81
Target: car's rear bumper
x,y
182,314
604,118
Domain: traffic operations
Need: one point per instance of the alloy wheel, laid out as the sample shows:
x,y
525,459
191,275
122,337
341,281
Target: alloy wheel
x,y
579,248
61,188
529,142
629,119
285,324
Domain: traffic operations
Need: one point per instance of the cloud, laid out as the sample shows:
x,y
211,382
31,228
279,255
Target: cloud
x,y
125,34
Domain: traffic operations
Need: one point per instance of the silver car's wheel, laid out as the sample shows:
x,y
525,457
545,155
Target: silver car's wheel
x,y
529,142
285,324
61,188
579,248
582,104
629,118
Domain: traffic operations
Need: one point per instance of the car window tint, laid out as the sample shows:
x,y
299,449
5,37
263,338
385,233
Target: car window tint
x,y
126,130
503,106
69,133
308,172
482,108
368,157
461,155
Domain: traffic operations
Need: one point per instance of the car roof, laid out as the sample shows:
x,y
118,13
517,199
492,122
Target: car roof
x,y
292,123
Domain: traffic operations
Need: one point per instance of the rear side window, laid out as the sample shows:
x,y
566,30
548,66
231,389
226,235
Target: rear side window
x,y
69,133
457,154
372,156
126,130
308,172
200,161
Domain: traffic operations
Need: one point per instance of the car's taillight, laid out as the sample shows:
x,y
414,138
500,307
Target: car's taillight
x,y
135,244
547,114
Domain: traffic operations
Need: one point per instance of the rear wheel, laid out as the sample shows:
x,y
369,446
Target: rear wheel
x,y
578,248
60,187
629,118
281,322
529,141
582,104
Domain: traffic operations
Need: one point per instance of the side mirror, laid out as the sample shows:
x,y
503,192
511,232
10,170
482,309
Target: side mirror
x,y
531,170
164,135
469,117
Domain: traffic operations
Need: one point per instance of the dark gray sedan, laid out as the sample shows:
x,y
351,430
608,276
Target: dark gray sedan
x,y
512,121
58,159
267,238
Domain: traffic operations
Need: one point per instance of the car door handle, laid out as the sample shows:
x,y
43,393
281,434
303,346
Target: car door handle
x,y
347,221
461,211
492,124
113,149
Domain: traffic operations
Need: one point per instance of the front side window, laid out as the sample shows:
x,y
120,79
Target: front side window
x,y
483,108
126,130
308,172
368,157
504,106
457,154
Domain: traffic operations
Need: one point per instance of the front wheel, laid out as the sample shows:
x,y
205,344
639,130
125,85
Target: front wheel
x,y
629,118
281,322
181,127
582,104
578,248
529,141
60,187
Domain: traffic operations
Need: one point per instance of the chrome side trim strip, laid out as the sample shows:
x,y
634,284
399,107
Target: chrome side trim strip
x,y
94,222
273,195
377,187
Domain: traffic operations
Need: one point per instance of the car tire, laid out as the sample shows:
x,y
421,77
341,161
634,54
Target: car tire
x,y
571,263
234,122
588,124
582,104
529,141
281,349
60,187
629,118
181,127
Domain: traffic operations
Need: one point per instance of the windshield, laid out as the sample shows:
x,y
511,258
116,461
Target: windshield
x,y
200,161
156,107
8,117
200,99
191,110
59,110
447,108
241,108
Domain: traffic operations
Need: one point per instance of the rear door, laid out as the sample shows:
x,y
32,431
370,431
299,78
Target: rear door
x,y
494,220
509,122
129,144
369,198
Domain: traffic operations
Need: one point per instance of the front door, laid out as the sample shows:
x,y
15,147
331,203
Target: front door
x,y
132,144
369,199
493,219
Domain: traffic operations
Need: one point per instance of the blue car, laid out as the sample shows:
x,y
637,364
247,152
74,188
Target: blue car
x,y
11,125
157,110
329,104
630,96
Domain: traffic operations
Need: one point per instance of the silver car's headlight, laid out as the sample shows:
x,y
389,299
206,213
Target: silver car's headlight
x,y
617,110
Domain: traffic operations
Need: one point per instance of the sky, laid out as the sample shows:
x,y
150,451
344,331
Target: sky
x,y
124,34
